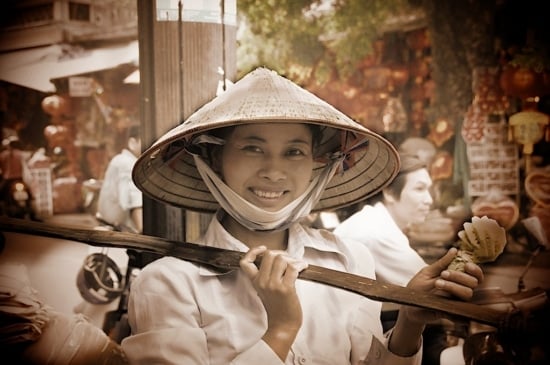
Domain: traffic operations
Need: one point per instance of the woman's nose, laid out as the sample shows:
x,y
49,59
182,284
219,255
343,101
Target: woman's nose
x,y
273,169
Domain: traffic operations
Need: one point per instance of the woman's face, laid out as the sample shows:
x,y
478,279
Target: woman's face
x,y
269,164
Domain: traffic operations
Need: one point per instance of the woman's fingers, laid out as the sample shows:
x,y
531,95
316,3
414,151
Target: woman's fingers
x,y
276,267
247,263
293,269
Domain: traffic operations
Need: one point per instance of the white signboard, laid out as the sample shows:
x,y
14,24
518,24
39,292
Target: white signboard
x,y
198,11
81,86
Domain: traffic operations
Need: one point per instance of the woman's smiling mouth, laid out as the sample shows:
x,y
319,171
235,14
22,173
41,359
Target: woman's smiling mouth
x,y
267,194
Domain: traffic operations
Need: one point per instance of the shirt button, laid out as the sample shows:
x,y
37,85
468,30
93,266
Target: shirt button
x,y
302,360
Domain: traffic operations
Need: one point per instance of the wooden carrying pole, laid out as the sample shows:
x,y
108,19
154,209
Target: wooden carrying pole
x,y
227,260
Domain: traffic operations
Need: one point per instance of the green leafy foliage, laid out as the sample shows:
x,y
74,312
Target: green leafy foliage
x,y
311,38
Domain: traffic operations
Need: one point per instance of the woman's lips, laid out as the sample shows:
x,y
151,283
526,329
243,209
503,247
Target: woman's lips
x,y
270,195
269,199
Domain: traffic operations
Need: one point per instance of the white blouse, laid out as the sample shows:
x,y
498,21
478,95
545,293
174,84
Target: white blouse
x,y
183,313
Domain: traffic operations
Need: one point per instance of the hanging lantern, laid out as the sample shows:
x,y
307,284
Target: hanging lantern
x,y
441,131
524,82
399,77
527,128
55,105
441,167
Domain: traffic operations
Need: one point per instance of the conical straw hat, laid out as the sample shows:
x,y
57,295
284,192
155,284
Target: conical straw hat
x,y
166,171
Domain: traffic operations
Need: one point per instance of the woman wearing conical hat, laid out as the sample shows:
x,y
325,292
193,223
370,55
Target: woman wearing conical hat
x,y
262,156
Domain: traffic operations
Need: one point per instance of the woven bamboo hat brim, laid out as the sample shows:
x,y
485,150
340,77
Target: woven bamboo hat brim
x,y
166,171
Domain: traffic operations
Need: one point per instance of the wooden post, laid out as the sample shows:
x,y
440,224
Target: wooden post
x,y
181,50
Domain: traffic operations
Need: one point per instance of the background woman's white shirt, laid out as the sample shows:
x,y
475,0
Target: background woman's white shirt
x,y
396,261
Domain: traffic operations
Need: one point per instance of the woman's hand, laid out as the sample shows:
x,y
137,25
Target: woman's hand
x,y
436,279
275,282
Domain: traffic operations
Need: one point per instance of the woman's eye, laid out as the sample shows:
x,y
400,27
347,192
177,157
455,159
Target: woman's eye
x,y
252,148
296,152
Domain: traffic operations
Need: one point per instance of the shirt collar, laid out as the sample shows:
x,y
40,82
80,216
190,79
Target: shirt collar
x,y
300,239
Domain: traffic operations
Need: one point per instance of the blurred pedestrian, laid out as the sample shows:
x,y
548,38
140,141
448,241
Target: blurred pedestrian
x,y
381,224
120,202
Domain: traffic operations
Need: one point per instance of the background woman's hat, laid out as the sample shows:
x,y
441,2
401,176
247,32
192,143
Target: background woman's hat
x,y
167,173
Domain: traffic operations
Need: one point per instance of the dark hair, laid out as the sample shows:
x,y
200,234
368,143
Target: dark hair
x,y
133,131
316,134
409,163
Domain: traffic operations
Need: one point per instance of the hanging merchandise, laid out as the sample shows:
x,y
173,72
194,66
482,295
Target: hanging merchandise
x,y
441,167
542,212
537,186
441,131
497,206
489,103
493,162
399,77
56,106
524,82
492,159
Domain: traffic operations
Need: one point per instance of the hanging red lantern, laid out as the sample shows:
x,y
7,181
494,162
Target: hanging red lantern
x,y
523,82
399,76
418,39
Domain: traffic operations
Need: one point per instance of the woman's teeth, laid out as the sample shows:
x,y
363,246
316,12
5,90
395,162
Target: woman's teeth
x,y
268,194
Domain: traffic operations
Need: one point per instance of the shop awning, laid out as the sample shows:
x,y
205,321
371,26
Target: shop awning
x,y
35,68
132,78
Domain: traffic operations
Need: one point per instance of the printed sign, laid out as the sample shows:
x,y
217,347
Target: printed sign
x,y
198,11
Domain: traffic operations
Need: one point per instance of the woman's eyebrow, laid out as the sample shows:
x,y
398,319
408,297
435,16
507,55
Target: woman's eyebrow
x,y
299,140
254,138
262,139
